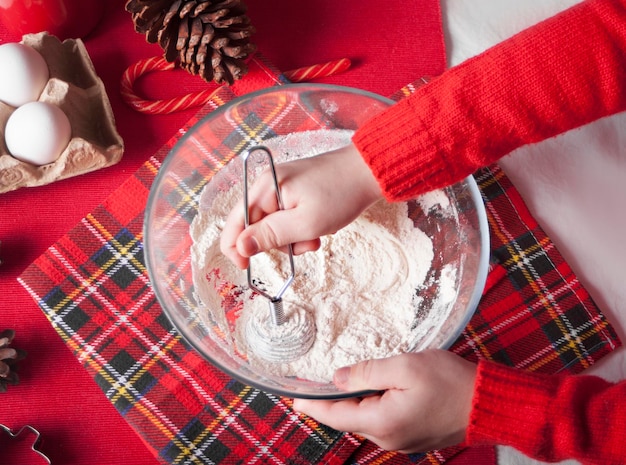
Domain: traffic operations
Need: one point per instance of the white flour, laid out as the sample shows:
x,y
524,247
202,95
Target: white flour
x,y
359,292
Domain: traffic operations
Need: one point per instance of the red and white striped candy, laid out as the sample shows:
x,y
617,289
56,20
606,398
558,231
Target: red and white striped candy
x,y
157,64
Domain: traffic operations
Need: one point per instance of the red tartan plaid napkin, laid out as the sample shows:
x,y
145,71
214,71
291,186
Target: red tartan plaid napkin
x,y
93,286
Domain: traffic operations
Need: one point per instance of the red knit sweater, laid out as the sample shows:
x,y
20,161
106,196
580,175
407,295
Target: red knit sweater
x,y
560,74
550,418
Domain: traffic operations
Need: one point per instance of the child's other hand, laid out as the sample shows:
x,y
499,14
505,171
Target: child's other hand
x,y
320,195
425,405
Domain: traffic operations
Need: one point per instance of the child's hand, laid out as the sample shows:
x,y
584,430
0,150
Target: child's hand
x,y
425,405
320,195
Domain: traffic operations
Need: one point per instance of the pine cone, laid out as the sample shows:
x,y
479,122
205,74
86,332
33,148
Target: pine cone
x,y
8,358
206,37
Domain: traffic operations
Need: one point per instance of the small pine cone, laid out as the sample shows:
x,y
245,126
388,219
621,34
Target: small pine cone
x,y
210,38
8,358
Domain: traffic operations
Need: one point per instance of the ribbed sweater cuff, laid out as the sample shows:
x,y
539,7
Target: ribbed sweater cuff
x,y
381,138
510,407
549,417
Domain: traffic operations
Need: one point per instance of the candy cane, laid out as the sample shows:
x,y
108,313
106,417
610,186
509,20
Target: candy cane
x,y
155,64
171,105
317,71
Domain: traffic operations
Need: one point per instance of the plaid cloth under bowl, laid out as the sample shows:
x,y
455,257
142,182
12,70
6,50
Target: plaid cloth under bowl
x,y
93,286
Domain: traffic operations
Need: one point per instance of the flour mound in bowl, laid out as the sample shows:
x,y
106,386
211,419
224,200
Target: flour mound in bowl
x,y
361,288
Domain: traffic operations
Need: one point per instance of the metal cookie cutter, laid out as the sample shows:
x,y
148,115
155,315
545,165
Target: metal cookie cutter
x,y
281,339
36,442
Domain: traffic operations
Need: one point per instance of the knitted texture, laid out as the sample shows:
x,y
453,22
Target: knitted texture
x,y
550,418
562,73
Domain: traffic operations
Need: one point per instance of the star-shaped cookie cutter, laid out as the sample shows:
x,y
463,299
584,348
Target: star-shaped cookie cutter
x,y
35,444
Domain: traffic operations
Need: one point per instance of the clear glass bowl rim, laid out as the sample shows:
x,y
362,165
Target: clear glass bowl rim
x,y
469,180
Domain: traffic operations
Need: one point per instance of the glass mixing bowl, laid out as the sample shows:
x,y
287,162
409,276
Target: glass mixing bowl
x,y
208,160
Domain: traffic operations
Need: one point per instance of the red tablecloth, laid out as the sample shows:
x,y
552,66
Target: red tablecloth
x,y
389,46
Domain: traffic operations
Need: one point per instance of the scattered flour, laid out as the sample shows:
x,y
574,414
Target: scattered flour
x,y
359,292
434,199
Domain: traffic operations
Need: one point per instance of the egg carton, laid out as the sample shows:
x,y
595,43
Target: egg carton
x,y
74,87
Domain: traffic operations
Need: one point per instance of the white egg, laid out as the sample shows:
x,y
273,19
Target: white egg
x,y
23,74
37,133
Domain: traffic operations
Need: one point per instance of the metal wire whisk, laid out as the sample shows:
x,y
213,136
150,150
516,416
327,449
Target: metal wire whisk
x,y
275,301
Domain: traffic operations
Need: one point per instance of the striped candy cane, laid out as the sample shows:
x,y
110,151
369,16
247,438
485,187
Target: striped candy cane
x,y
171,105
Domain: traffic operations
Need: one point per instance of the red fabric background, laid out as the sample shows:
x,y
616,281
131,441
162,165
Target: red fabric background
x,y
389,46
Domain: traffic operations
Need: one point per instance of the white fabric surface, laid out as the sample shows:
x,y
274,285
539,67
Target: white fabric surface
x,y
574,184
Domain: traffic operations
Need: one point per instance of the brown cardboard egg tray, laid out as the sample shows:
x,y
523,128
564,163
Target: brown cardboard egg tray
x,y
75,87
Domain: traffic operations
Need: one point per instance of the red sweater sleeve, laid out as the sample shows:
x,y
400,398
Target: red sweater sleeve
x,y
562,73
550,418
